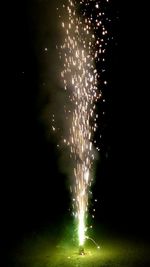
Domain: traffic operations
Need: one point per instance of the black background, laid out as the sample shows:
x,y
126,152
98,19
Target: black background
x,y
33,191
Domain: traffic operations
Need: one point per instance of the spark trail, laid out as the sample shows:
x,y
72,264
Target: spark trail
x,y
80,50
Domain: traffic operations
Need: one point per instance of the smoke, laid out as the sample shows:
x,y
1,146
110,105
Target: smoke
x,y
52,98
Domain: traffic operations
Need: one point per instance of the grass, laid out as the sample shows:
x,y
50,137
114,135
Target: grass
x,y
45,249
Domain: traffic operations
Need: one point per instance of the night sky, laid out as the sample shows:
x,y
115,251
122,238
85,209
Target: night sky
x,y
34,190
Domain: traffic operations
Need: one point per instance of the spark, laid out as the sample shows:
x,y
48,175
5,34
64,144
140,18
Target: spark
x,y
80,51
87,237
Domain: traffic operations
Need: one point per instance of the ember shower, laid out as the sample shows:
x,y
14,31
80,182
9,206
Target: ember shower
x,y
84,41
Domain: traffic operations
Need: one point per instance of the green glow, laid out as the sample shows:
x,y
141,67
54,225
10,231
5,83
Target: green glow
x,y
50,249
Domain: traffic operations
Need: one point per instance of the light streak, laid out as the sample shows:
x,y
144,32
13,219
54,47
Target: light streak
x,y
87,237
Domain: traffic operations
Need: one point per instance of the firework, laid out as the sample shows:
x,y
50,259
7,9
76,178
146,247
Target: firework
x,y
81,49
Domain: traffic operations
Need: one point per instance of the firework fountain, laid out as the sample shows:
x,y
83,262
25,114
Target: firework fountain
x,y
81,49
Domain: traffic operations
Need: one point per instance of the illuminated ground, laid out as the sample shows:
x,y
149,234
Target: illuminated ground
x,y
46,250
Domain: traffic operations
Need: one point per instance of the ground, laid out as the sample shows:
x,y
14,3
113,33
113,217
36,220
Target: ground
x,y
44,249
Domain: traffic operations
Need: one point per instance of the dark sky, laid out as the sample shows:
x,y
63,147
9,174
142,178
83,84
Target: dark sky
x,y
33,189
